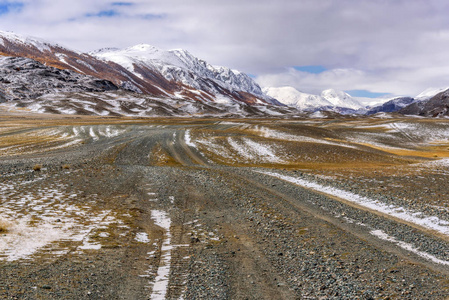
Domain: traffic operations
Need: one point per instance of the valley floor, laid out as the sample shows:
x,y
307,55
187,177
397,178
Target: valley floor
x,y
125,208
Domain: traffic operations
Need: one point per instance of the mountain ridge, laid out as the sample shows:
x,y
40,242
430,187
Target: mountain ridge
x,y
141,78
174,75
329,99
181,66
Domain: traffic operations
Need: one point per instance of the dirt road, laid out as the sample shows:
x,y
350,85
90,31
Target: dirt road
x,y
206,210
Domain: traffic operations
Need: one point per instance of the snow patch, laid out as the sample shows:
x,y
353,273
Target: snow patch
x,y
142,237
160,286
409,247
417,218
43,218
254,151
188,139
278,135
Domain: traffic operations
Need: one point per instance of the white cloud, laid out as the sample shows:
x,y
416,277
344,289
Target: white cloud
x,y
382,46
409,82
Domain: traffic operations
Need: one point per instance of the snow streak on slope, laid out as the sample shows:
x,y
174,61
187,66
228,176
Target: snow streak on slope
x,y
28,41
292,97
417,218
340,99
406,134
328,98
188,139
181,66
279,135
122,103
429,93
254,151
34,141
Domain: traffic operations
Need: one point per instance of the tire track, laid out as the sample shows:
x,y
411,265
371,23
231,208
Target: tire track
x,y
360,232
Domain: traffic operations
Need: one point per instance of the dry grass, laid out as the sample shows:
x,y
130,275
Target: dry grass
x,y
37,167
5,226
160,157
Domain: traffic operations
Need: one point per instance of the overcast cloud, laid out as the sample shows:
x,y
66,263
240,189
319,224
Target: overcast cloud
x,y
397,47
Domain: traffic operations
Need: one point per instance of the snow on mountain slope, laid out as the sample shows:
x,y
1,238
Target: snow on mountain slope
x,y
436,106
328,100
125,103
54,55
391,105
429,93
23,78
29,41
292,97
144,69
181,66
340,99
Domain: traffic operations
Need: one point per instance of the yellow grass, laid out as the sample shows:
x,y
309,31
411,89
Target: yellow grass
x,y
4,226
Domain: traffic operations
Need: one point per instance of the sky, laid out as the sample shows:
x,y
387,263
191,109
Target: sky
x,y
369,48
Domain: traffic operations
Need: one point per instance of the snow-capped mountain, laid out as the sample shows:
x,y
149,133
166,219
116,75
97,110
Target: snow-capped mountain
x,y
23,79
329,99
340,99
391,105
144,69
182,67
57,56
26,83
429,93
292,97
436,106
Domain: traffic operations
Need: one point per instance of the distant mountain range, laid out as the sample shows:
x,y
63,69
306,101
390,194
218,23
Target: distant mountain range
x,y
146,81
175,82
330,100
200,80
429,103
436,106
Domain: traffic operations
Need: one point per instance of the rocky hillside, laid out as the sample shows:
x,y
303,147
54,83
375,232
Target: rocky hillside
x,y
392,105
436,106
200,79
27,83
187,79
27,79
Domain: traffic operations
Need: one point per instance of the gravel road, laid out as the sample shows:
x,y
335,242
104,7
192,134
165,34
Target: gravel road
x,y
145,214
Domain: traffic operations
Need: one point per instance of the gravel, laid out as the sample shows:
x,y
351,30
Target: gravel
x,y
235,233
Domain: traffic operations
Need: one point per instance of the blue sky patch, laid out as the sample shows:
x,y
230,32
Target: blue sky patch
x,y
365,94
153,16
104,13
310,69
122,3
6,7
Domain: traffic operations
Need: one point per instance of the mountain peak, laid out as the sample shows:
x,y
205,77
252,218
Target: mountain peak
x,y
290,96
332,93
10,36
181,66
142,48
429,93
340,99
28,41
329,98
144,69
104,50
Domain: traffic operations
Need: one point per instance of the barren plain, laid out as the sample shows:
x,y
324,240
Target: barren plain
x,y
166,208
